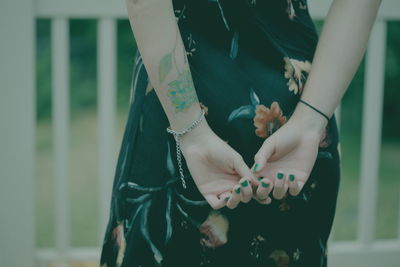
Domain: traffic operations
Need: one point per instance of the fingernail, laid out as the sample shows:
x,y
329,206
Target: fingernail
x,y
226,199
260,178
245,183
264,184
237,190
255,167
291,177
280,175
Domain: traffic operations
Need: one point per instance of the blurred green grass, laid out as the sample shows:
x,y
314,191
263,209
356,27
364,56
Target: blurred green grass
x,y
83,184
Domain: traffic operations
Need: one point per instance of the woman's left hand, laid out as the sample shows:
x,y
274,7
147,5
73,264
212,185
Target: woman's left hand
x,y
286,158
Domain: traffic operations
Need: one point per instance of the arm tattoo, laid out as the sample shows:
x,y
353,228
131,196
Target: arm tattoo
x,y
181,91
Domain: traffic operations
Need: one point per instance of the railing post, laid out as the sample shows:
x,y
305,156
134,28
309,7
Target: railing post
x,y
107,87
371,132
60,98
17,134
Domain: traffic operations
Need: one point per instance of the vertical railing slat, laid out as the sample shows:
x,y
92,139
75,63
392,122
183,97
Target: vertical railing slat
x,y
60,102
371,132
18,211
106,76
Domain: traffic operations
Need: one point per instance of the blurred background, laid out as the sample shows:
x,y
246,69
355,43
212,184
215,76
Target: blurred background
x,y
78,87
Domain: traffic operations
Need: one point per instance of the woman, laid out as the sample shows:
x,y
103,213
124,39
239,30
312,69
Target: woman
x,y
237,83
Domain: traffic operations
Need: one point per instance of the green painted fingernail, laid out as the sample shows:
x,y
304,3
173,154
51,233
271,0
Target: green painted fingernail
x,y
291,177
237,190
280,175
264,184
245,183
260,178
255,167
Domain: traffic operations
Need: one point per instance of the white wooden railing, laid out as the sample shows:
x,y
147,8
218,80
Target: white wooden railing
x,y
17,113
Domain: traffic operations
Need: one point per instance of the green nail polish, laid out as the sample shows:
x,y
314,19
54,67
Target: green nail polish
x,y
255,167
237,190
260,178
245,183
291,177
280,175
264,184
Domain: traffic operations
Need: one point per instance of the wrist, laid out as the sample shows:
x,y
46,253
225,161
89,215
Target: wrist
x,y
194,132
309,119
181,120
197,134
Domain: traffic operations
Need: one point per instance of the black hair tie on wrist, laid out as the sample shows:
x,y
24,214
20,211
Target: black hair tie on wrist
x,y
314,108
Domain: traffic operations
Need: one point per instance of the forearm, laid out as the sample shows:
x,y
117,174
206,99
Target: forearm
x,y
340,48
160,44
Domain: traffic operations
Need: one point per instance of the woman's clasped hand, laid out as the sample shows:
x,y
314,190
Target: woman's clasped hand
x,y
282,165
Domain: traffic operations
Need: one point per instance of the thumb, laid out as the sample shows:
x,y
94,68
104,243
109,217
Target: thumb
x,y
241,167
217,203
263,154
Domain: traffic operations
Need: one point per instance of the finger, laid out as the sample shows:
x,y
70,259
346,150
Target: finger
x,y
257,182
246,190
225,196
294,189
263,154
235,198
264,189
280,185
241,167
266,201
217,203
254,184
296,184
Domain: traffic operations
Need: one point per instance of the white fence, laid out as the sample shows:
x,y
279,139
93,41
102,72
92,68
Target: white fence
x,y
17,113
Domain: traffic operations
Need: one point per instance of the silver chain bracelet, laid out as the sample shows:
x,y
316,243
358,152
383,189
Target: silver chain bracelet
x,y
177,135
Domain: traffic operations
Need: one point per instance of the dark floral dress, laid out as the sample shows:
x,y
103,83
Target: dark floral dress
x,y
249,60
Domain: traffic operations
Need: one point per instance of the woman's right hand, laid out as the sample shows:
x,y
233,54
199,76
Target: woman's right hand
x,y
219,172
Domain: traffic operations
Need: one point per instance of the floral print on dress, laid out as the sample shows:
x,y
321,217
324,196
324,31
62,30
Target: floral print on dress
x,y
188,40
214,230
141,197
120,242
204,107
180,13
280,257
246,111
284,205
266,253
291,11
191,45
253,2
268,120
297,72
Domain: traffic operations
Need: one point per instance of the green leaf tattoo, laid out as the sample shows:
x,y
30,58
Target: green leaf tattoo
x,y
165,66
181,91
